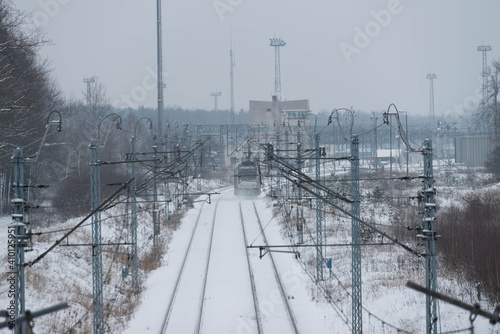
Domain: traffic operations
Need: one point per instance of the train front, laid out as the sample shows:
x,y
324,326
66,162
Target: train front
x,y
247,180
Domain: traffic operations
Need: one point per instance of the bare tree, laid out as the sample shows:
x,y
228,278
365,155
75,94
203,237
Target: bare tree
x,y
98,103
493,97
488,117
27,92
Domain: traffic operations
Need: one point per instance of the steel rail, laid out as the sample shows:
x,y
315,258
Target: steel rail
x,y
179,276
205,279
291,316
252,278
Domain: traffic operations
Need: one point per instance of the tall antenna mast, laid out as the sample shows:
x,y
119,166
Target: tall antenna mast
x,y
431,77
231,76
160,68
277,42
484,49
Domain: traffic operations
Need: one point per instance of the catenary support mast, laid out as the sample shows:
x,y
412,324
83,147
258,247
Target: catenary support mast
x,y
357,319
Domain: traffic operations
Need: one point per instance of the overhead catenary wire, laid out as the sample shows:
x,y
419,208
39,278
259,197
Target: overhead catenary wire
x,y
323,289
41,256
29,144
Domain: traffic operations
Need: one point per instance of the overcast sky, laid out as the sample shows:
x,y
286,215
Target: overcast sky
x,y
364,54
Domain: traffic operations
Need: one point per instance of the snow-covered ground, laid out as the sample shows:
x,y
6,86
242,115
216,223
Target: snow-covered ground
x,y
65,276
385,298
228,304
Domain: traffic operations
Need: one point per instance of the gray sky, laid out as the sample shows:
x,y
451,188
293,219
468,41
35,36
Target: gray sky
x,y
364,54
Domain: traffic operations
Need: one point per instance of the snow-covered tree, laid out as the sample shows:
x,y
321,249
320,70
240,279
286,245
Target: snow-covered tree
x,y
27,92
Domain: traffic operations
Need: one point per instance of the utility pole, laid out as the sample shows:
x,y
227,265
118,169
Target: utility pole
x,y
133,217
278,149
179,172
288,208
231,77
390,142
216,95
319,230
311,145
156,206
432,116
277,43
484,49
198,163
18,226
300,214
357,320
95,202
428,236
17,236
374,144
159,59
95,194
222,157
185,175
166,185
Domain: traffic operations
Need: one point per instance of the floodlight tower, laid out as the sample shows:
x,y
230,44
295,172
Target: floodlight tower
x,y
484,49
277,42
431,77
216,95
88,81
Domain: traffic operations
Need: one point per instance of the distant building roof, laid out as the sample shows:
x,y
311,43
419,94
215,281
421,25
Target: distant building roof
x,y
278,112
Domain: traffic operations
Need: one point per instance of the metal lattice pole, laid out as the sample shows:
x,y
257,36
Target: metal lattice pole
x,y
165,180
222,157
277,43
185,176
357,319
428,235
432,117
300,216
288,208
156,206
178,174
311,145
19,227
231,79
278,177
484,49
319,230
133,218
198,163
95,194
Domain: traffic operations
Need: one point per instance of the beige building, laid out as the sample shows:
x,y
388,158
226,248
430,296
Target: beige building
x,y
278,112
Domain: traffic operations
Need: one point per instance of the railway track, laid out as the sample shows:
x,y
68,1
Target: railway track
x,y
273,315
211,280
221,286
186,272
258,319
